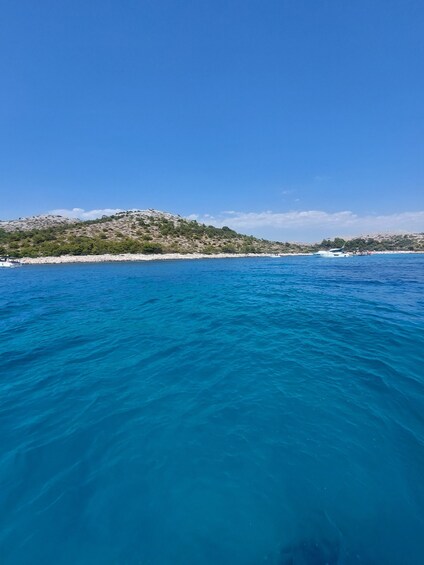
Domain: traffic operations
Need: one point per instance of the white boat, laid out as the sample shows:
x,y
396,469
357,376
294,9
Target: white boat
x,y
7,262
336,252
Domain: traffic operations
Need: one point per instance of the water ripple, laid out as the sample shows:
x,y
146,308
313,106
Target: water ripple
x,y
236,412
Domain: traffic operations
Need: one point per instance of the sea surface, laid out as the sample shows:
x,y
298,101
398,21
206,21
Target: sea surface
x,y
240,411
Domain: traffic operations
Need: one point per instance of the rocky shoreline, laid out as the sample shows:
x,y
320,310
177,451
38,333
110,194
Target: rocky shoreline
x,y
134,257
108,258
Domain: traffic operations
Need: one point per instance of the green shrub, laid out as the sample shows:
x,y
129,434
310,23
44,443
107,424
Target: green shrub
x,y
149,248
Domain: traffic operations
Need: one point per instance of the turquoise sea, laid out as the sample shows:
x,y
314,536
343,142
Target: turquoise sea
x,y
243,412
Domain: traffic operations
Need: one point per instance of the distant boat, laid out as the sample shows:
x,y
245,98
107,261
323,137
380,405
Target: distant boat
x,y
9,262
336,252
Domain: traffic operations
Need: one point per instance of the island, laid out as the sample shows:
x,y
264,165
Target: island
x,y
152,234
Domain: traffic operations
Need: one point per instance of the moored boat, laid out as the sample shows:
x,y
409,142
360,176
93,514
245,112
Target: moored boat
x,y
8,262
335,252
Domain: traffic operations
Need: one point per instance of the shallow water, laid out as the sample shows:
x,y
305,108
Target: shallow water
x,y
244,411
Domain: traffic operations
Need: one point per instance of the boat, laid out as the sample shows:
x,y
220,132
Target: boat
x,y
8,262
335,252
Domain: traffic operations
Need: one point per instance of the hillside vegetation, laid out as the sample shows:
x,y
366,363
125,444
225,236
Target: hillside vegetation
x,y
128,232
150,231
408,242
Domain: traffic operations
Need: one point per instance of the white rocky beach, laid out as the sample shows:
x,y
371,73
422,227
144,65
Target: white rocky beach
x,y
109,258
135,257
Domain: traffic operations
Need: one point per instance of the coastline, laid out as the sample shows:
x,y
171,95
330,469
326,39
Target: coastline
x,y
129,257
136,257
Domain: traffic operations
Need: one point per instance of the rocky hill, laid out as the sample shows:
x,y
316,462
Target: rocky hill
x,y
135,231
152,231
36,223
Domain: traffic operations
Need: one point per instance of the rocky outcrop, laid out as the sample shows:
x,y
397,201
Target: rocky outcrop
x,y
36,223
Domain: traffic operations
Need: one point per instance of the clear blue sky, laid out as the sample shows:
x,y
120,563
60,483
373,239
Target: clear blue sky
x,y
201,107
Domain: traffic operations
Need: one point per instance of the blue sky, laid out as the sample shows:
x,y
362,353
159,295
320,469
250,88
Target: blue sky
x,y
287,119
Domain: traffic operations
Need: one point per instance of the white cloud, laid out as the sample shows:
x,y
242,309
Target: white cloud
x,y
81,214
310,225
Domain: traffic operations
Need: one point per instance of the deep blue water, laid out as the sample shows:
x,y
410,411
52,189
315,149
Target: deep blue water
x,y
245,411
